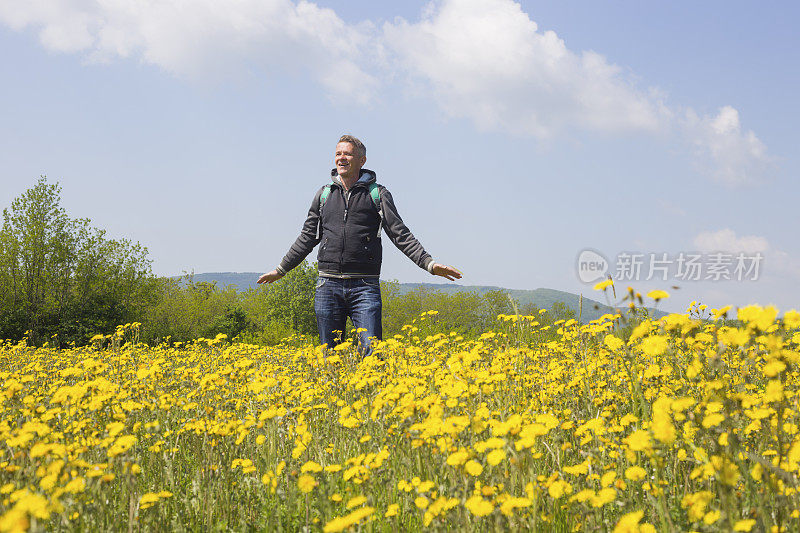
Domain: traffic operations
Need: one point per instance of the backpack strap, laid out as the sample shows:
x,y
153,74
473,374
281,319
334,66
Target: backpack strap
x,y
323,197
375,194
326,191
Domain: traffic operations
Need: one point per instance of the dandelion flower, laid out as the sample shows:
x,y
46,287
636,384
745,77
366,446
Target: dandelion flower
x,y
306,483
473,468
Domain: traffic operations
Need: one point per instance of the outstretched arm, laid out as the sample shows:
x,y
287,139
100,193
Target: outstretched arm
x,y
405,241
302,246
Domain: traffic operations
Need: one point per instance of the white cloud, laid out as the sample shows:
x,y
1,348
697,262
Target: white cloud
x,y
486,60
777,265
198,38
725,240
727,153
482,60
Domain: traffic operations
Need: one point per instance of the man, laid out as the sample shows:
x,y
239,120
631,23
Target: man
x,y
347,217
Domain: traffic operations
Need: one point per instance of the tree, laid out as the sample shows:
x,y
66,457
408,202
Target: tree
x,y
61,276
289,301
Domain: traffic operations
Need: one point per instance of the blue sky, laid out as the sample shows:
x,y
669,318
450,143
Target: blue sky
x,y
513,135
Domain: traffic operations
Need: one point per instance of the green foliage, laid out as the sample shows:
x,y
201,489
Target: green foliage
x,y
289,302
62,279
466,313
185,310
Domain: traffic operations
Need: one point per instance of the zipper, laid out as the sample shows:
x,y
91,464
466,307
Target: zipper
x,y
346,198
346,203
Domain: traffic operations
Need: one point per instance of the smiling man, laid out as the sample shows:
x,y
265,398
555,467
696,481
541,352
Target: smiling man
x,y
347,217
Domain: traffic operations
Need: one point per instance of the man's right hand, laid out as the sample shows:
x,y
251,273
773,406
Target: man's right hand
x,y
270,277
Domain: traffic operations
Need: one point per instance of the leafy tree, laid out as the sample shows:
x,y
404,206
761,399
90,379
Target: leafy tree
x,y
464,312
59,276
288,302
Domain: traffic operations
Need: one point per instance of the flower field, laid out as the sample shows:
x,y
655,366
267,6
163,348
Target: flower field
x,y
683,424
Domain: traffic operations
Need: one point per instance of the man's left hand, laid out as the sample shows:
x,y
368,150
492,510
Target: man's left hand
x,y
446,271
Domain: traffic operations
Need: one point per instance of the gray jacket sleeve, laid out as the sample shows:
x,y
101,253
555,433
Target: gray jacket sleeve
x,y
399,233
307,240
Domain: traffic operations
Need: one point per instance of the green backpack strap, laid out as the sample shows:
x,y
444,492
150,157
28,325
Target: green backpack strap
x,y
375,194
323,197
326,191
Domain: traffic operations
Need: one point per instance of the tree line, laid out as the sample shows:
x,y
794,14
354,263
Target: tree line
x,y
62,281
60,277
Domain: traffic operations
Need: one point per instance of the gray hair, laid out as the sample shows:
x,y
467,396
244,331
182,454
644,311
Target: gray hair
x,y
355,142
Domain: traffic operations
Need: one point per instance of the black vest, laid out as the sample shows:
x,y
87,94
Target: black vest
x,y
349,241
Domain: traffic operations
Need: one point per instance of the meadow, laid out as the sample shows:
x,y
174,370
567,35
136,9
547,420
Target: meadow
x,y
688,423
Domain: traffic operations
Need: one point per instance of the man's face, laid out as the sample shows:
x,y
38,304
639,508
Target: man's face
x,y
348,160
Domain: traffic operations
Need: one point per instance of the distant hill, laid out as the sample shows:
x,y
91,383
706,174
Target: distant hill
x,y
541,298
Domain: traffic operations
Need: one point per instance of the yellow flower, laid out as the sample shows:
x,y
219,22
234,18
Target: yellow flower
x,y
757,317
121,445
601,286
76,485
311,466
458,458
608,478
421,502
773,368
306,483
791,320
629,523
578,469
478,506
713,419
774,391
635,473
115,428
613,342
344,522
604,496
392,510
508,506
151,498
655,345
425,486
356,501
473,468
583,496
658,294
495,457
639,441
663,430
696,503
559,488
744,525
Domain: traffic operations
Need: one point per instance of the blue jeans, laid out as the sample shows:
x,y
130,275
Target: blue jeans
x,y
358,298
